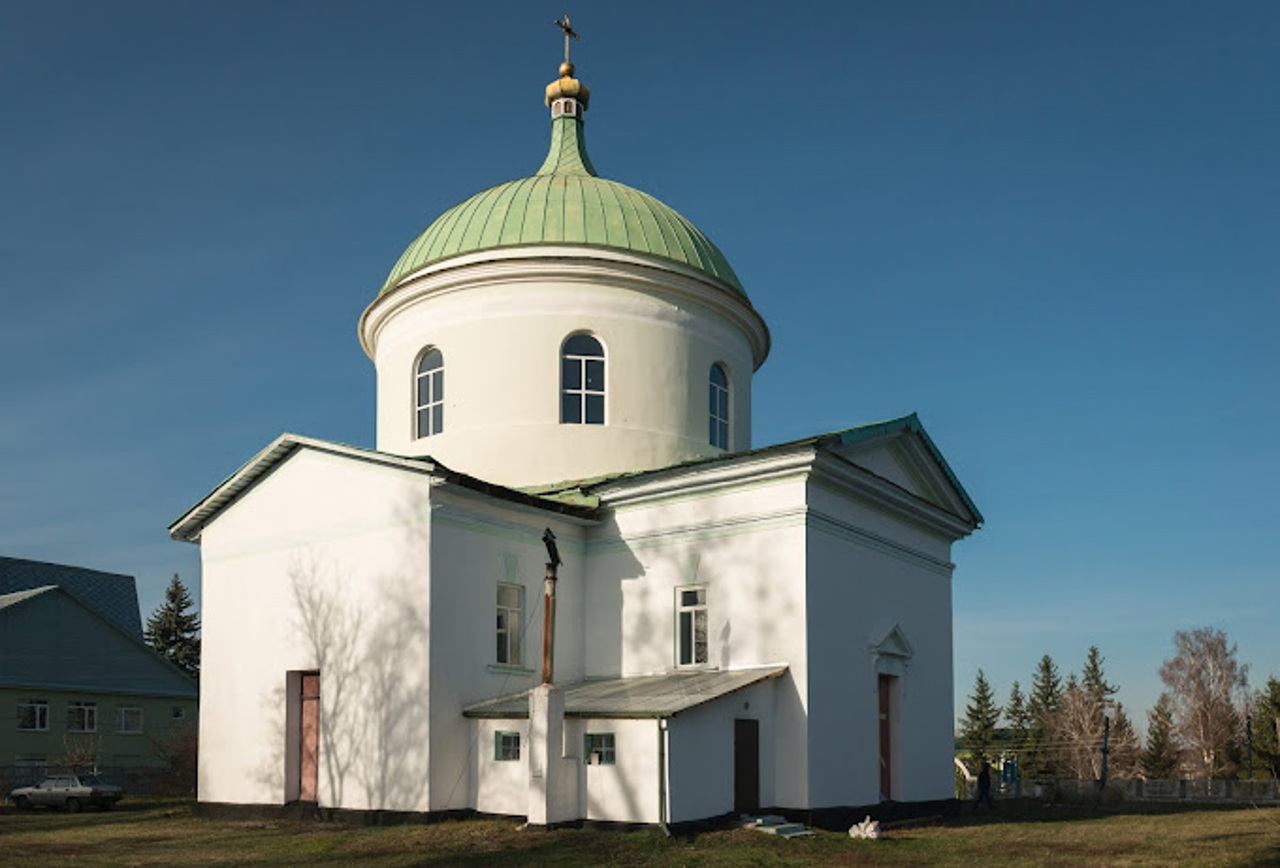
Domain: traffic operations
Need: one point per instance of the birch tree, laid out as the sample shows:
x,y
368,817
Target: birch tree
x,y
1206,684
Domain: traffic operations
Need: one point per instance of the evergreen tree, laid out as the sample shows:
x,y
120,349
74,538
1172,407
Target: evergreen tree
x,y
1046,689
1160,761
173,630
1046,696
1094,681
1266,719
1125,753
978,732
1019,718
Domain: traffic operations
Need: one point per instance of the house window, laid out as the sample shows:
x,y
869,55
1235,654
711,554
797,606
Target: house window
x,y
506,746
33,715
582,381
510,623
82,717
719,407
599,749
691,626
129,719
178,712
430,392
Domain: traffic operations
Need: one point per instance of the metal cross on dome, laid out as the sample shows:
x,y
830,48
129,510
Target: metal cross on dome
x,y
569,32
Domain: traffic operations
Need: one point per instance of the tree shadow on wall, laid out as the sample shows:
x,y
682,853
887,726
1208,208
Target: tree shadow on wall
x,y
371,654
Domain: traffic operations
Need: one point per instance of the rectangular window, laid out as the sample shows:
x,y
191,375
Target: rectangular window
x,y
691,626
178,712
510,623
129,719
599,749
82,717
33,715
506,746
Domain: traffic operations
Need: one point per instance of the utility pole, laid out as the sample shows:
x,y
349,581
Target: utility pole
x,y
1248,744
1106,750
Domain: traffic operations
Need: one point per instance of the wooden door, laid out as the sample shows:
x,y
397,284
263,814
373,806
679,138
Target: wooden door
x,y
746,766
886,737
309,767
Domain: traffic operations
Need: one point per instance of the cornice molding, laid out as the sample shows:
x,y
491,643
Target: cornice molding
x,y
711,477
567,264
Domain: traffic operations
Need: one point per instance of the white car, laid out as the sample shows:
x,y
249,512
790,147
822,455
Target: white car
x,y
68,791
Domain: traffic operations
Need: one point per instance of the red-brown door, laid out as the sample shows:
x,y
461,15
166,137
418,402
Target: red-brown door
x,y
746,765
309,767
886,738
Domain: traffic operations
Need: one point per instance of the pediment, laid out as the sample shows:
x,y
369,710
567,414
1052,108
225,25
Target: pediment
x,y
894,643
902,453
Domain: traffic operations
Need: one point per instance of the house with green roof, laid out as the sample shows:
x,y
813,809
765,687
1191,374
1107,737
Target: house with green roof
x,y
566,585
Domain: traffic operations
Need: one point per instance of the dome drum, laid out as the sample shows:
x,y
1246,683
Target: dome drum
x,y
492,291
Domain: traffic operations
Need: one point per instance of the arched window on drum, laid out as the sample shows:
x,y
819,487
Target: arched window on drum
x,y
582,384
718,414
429,391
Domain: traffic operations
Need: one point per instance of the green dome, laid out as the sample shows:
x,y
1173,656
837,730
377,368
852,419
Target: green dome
x,y
565,202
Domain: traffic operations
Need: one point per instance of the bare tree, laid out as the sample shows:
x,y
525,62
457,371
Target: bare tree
x,y
81,753
1076,727
1205,682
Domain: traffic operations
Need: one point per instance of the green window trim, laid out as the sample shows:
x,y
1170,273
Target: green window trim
x,y
506,746
600,747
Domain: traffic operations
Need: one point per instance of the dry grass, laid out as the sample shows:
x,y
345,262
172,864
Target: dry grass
x,y
166,833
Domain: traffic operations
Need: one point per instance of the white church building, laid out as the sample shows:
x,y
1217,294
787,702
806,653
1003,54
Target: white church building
x,y
734,627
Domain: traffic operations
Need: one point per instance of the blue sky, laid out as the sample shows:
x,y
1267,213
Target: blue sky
x,y
1052,229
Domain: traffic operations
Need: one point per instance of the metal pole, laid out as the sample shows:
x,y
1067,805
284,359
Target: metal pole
x,y
548,620
1248,744
1106,750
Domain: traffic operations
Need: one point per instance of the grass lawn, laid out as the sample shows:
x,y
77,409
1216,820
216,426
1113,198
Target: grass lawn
x,y
141,832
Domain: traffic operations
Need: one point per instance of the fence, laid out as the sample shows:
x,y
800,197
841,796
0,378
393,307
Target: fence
x,y
1192,790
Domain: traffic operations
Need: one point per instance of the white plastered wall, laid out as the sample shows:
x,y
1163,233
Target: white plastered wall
x,y
746,544
500,329
477,543
500,786
627,791
323,566
860,587
700,753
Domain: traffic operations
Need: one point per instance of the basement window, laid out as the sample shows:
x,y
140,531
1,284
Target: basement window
x,y
506,746
599,749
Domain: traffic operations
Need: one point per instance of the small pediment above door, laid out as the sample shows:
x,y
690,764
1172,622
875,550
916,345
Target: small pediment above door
x,y
893,644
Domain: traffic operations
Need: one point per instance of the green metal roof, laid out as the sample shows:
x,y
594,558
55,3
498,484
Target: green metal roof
x,y
565,202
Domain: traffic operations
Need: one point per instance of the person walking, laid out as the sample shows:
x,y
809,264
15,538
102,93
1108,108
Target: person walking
x,y
984,787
